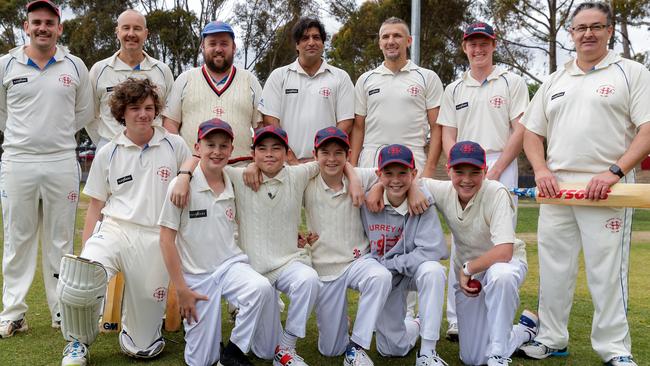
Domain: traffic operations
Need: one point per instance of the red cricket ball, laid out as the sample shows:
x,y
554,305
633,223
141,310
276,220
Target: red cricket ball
x,y
475,284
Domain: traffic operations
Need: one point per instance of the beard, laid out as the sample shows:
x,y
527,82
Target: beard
x,y
218,68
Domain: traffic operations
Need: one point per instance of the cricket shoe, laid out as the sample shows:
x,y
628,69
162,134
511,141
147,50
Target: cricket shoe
x,y
9,327
621,361
452,332
129,348
429,360
356,356
287,357
75,354
498,361
233,356
537,350
528,326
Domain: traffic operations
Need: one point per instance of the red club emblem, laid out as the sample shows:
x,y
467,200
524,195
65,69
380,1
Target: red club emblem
x,y
614,224
605,90
218,111
73,196
356,252
497,101
467,148
159,294
414,90
331,130
325,92
230,214
65,79
394,150
164,173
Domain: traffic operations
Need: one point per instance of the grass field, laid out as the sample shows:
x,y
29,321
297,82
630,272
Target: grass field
x,y
42,345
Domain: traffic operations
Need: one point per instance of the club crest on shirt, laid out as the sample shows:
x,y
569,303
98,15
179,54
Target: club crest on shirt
x,y
230,213
73,196
497,101
65,79
164,172
218,111
325,92
614,224
356,253
159,294
414,90
605,90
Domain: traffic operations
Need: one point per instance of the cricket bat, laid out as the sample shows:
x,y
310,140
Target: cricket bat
x,y
573,194
172,313
111,319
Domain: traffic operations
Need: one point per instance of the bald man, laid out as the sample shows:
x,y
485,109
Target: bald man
x,y
129,61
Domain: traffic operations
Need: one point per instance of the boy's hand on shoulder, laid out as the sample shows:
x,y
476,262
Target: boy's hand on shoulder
x,y
253,177
418,202
187,300
181,192
375,198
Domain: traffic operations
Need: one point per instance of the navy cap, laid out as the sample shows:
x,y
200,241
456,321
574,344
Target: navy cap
x,y
215,27
467,152
44,4
330,133
214,124
479,28
396,154
273,131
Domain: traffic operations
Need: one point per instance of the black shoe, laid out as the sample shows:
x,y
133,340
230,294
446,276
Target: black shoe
x,y
231,355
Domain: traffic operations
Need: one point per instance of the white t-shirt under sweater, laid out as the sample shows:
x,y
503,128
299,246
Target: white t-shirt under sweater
x,y
485,222
133,180
332,216
196,98
269,218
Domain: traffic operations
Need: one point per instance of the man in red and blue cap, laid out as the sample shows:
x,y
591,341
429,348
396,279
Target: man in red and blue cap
x,y
217,89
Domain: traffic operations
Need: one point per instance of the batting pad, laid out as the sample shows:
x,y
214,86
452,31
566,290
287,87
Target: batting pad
x,y
81,290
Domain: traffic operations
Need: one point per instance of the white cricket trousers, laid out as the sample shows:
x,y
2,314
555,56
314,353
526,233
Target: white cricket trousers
x,y
603,234
396,336
134,250
373,281
510,178
301,285
257,325
39,201
485,323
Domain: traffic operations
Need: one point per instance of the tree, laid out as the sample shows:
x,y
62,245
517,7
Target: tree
x,y
628,13
174,38
12,16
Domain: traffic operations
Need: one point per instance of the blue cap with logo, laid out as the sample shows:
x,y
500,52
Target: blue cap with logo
x,y
217,26
214,124
483,29
467,152
271,130
330,133
396,153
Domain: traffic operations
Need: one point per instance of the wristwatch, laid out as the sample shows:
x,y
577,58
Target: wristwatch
x,y
466,269
616,170
185,172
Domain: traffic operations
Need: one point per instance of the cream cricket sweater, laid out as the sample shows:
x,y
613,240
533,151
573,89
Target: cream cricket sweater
x,y
269,218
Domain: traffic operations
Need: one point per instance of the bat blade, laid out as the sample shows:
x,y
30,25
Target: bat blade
x,y
172,313
632,195
112,316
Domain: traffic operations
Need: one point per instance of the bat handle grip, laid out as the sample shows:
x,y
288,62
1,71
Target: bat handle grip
x,y
524,192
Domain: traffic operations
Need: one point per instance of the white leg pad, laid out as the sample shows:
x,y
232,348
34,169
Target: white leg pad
x,y
81,290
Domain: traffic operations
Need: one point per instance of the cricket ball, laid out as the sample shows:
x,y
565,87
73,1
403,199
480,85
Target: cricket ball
x,y
475,284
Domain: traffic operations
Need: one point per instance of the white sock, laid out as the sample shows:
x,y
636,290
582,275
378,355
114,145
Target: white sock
x,y
427,347
288,340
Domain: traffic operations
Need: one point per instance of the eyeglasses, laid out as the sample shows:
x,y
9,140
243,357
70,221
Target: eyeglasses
x,y
594,28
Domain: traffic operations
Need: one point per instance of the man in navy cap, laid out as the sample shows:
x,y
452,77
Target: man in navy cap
x,y
217,89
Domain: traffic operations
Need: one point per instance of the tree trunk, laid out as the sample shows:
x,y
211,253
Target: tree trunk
x,y
626,41
552,37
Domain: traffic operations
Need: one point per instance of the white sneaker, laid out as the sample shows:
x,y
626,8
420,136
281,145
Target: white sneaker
x,y
452,332
75,354
287,357
356,357
9,327
429,360
621,361
498,361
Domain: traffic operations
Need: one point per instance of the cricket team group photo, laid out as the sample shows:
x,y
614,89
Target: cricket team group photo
x,y
320,220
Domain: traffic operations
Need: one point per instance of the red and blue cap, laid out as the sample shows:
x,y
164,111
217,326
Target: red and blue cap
x,y
483,29
330,133
217,26
38,4
214,124
396,153
467,152
278,132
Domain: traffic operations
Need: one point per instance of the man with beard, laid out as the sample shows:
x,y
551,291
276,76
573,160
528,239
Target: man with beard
x,y
129,61
216,89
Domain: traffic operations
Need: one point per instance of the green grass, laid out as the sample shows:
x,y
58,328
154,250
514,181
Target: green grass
x,y
42,345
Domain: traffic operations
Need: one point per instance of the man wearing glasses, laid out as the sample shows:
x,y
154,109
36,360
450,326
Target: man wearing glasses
x,y
593,114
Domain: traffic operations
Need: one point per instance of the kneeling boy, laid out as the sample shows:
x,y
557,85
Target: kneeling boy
x,y
205,263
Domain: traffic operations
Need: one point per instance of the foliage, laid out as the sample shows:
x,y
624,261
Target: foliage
x,y
12,16
174,38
